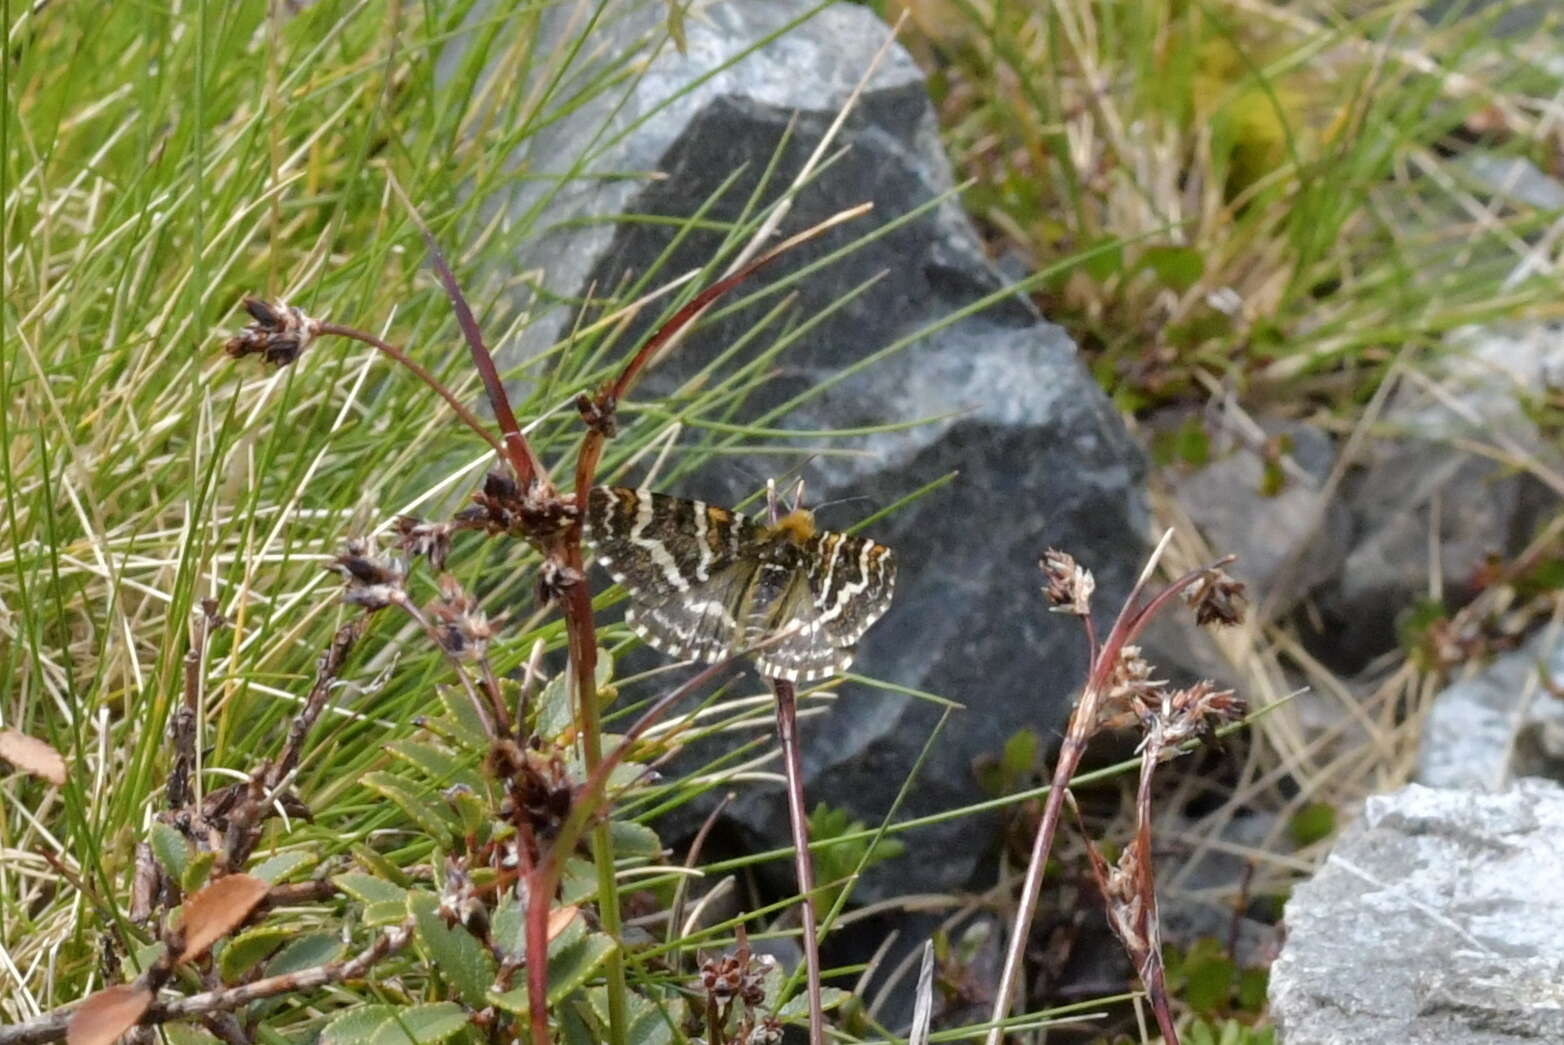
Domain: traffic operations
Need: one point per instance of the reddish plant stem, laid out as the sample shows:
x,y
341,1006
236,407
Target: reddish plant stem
x,y
544,879
1083,724
803,862
524,463
1152,974
419,371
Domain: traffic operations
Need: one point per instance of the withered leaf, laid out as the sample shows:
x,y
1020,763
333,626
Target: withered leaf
x,y
559,919
32,756
217,910
103,1017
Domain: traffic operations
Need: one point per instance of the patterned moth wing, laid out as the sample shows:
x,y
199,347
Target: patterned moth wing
x,y
706,583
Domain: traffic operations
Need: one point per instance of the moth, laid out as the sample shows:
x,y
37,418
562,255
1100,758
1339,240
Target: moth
x,y
707,583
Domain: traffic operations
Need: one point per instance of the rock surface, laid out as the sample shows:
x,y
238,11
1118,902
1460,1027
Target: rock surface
x,y
1287,542
1485,731
1437,920
1042,458
1424,481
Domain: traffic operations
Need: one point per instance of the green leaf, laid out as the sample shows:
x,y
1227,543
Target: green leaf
x,y
1192,443
385,912
1313,823
188,1034
1019,757
569,967
797,1007
649,1024
1105,260
144,957
171,849
420,806
578,882
508,926
421,1025
462,961
1252,984
242,952
473,812
356,1025
1208,977
366,888
306,952
1178,268
633,839
576,1029
196,871
840,861
280,865
380,866
442,767
651,1020
556,712
466,728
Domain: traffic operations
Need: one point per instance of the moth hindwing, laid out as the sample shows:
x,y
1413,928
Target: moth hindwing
x,y
706,583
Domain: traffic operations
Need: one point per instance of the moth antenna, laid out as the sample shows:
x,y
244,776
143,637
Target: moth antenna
x,y
823,505
798,494
772,511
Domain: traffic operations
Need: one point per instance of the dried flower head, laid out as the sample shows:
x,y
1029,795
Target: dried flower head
x,y
459,900
738,974
721,977
1130,684
1172,717
554,578
1216,598
539,789
503,507
372,582
767,1032
599,413
431,540
1069,586
1124,901
464,628
279,334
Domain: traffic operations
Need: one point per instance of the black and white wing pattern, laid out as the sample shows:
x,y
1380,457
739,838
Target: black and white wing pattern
x,y
707,583
681,562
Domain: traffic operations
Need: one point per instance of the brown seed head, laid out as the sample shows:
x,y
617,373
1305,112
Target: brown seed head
x,y
1069,586
371,582
463,626
431,540
279,334
1216,598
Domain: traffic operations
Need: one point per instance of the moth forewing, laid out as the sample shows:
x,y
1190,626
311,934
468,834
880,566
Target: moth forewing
x,y
707,583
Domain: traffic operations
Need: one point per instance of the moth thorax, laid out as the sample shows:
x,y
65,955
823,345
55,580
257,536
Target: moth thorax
x,y
797,526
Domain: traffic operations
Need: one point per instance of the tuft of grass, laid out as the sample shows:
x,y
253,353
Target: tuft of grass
x,y
1281,193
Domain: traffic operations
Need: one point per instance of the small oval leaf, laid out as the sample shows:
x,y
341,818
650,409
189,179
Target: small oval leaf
x,y
103,1017
244,951
464,962
421,1024
217,910
32,755
356,1025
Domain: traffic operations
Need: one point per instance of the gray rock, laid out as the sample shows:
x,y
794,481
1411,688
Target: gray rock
x,y
1500,724
1288,542
1043,459
1437,920
1421,481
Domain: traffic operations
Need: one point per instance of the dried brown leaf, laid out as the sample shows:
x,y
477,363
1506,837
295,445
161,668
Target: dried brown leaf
x,y
560,918
218,910
103,1017
32,755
